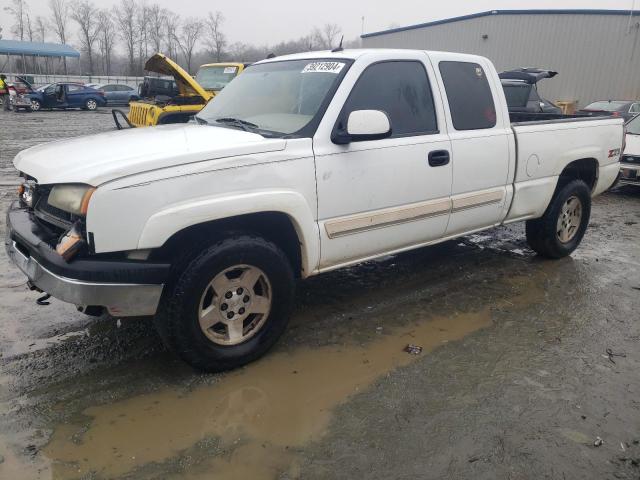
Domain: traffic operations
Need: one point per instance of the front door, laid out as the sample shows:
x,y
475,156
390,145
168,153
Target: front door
x,y
380,196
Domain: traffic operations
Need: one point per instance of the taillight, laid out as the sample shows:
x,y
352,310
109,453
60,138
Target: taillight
x,y
615,114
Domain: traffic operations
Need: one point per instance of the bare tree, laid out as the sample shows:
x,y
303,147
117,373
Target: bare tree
x,y
106,39
157,19
326,37
126,22
19,11
172,23
85,14
142,24
41,28
59,22
215,39
189,34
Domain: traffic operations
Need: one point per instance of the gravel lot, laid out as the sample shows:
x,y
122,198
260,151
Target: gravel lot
x,y
514,380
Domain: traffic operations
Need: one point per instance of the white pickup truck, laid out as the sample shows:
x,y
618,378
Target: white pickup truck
x,y
303,164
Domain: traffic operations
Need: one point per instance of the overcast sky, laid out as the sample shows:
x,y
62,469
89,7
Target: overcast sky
x,y
268,22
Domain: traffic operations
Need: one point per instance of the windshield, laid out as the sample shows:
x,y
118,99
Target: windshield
x,y
517,95
606,106
633,127
216,77
281,98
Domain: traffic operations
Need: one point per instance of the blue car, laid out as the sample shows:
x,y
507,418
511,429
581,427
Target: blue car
x,y
117,94
66,95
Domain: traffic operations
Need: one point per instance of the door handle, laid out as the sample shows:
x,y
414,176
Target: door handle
x,y
439,158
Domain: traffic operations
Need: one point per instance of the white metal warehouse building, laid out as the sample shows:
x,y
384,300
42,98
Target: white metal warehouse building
x,y
597,52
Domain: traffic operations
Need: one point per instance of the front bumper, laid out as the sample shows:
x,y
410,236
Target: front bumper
x,y
629,174
124,288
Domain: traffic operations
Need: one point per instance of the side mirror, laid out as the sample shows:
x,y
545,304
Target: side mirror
x,y
364,125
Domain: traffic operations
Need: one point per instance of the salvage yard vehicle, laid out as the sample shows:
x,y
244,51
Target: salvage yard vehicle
x,y
183,97
630,163
117,93
65,95
625,109
304,164
521,90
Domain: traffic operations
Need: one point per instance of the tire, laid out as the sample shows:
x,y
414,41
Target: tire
x,y
191,295
36,106
560,230
91,104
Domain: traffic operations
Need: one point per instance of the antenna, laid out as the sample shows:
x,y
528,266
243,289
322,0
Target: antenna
x,y
339,49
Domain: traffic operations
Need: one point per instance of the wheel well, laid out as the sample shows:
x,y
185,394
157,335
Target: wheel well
x,y
585,169
276,227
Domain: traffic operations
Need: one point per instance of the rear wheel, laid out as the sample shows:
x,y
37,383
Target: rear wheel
x,y
228,305
561,229
91,104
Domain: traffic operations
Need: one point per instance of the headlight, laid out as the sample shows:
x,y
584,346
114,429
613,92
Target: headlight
x,y
71,198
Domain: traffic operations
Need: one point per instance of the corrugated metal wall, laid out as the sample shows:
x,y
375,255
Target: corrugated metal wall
x,y
597,56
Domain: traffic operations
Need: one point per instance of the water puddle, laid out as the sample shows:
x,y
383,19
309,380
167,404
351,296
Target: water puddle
x,y
251,422
258,414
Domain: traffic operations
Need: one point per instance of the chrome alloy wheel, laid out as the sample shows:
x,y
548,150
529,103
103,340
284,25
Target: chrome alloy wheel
x,y
235,305
569,219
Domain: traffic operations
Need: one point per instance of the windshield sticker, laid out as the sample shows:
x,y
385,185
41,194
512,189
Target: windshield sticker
x,y
230,69
323,67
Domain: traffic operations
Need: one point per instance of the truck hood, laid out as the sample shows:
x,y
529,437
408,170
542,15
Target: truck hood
x,y
104,157
187,85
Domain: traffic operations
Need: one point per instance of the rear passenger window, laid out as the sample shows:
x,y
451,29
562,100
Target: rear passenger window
x,y
402,91
470,100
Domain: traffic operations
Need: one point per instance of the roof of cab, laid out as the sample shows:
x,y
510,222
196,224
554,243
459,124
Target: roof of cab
x,y
354,54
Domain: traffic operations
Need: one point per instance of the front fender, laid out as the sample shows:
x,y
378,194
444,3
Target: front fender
x,y
174,218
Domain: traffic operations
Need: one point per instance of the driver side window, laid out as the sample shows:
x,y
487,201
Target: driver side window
x,y
401,89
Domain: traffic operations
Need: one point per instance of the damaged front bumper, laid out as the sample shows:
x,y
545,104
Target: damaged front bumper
x,y
124,288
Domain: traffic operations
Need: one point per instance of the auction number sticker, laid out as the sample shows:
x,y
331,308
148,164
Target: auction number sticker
x,y
230,69
323,67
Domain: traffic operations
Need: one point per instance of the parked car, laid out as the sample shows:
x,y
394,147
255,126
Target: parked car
x,y
303,164
22,100
65,95
617,108
521,89
177,97
118,94
630,163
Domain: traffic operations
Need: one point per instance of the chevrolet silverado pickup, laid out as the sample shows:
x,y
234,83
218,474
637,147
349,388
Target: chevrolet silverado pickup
x,y
304,164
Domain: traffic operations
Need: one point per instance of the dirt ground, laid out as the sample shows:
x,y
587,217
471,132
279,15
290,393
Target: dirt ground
x,y
514,380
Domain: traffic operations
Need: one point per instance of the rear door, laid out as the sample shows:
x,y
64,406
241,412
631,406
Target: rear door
x,y
481,141
379,196
75,95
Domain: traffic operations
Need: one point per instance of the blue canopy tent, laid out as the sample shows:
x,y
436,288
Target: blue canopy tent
x,y
21,49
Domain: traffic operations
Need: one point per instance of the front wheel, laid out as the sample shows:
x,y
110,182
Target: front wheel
x,y
91,104
561,229
229,305
35,105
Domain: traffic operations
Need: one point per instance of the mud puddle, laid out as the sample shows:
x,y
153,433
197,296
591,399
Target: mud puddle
x,y
250,423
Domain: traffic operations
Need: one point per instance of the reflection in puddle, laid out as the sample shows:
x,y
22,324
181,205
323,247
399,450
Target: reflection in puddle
x,y
257,415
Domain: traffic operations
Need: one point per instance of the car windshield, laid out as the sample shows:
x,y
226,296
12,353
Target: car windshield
x,y
606,106
43,87
633,127
216,77
277,98
517,94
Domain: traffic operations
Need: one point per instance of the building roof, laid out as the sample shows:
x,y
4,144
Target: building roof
x,y
16,47
504,12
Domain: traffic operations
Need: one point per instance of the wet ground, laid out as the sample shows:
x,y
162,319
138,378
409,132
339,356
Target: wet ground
x,y
514,379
